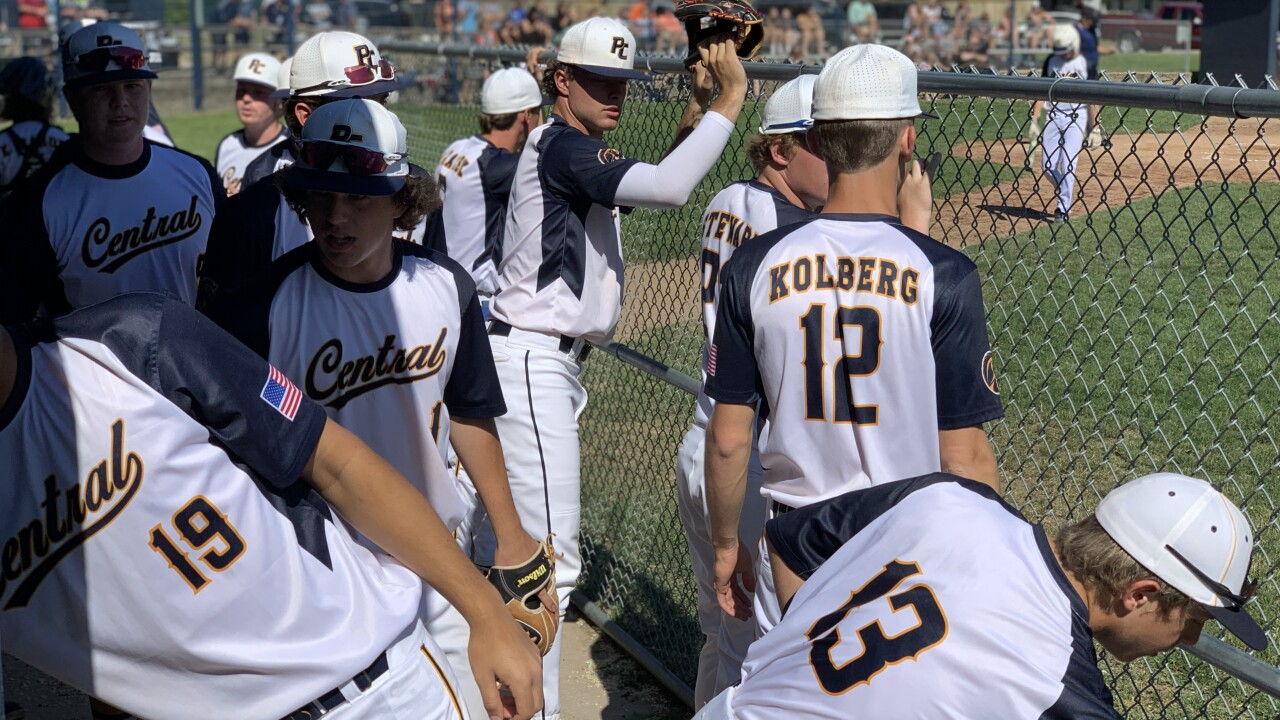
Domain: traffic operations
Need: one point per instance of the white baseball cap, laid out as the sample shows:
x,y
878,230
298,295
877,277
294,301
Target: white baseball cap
x,y
352,146
510,90
282,79
341,64
258,68
1065,38
104,52
867,82
790,108
601,45
1191,536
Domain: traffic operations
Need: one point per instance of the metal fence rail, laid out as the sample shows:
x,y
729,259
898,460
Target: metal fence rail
x,y
1139,335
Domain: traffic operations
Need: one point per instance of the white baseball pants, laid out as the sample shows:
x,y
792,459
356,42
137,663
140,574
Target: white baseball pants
x,y
418,685
727,638
539,437
1062,138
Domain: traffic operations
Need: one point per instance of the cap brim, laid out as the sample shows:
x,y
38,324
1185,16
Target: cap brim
x,y
380,87
255,81
281,94
616,72
1241,624
109,76
305,178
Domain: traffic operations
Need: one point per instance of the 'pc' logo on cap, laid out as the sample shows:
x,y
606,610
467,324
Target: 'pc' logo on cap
x,y
619,47
342,133
256,66
364,56
108,41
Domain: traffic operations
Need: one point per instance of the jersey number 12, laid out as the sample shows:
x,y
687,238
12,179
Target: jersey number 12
x,y
863,363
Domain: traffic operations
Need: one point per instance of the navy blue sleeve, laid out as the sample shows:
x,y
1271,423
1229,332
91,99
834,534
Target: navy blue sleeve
x,y
964,366
434,236
574,165
244,310
473,390
28,266
806,537
209,375
241,239
497,170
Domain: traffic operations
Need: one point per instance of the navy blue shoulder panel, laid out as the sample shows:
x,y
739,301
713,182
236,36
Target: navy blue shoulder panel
x,y
244,310
806,537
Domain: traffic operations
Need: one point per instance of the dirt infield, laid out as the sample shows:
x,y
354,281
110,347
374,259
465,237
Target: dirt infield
x,y
1135,167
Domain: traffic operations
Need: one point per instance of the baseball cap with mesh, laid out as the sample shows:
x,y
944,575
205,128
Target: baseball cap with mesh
x,y
340,64
104,52
867,82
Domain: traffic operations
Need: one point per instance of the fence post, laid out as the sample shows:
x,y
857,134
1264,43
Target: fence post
x,y
195,8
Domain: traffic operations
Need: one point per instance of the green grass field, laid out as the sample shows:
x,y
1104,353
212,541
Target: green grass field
x,y
1174,61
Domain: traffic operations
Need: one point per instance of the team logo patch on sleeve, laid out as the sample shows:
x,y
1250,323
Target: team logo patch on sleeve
x,y
711,361
608,155
989,373
281,394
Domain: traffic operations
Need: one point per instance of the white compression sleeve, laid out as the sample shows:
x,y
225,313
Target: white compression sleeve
x,y
669,183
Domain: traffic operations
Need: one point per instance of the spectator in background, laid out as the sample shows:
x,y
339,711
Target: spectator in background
x,y
813,37
915,23
565,16
1005,33
320,14
516,13
446,19
28,143
346,15
670,32
274,14
863,22
933,19
239,15
640,20
468,24
74,10
33,14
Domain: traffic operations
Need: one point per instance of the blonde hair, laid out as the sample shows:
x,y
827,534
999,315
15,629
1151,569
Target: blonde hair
x,y
1086,551
759,148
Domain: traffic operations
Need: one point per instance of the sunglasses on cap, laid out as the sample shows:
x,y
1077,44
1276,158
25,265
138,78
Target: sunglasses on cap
x,y
321,155
365,74
1235,602
97,60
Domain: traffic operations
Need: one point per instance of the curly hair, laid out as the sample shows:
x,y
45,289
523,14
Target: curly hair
x,y
549,78
759,152
1089,553
418,197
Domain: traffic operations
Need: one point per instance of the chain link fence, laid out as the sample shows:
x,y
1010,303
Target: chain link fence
x,y
1138,334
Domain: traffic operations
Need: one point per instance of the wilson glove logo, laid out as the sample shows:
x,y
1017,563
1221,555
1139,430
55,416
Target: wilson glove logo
x,y
71,517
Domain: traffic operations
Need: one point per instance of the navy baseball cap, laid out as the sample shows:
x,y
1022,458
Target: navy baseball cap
x,y
102,53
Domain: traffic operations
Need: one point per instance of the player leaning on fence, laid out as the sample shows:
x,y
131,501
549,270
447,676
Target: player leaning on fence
x,y
561,272
863,341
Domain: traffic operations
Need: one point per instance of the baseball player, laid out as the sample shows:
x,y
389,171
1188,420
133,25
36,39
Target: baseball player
x,y
386,335
256,75
258,225
111,212
561,269
28,143
474,176
173,564
888,619
791,183
1064,126
863,340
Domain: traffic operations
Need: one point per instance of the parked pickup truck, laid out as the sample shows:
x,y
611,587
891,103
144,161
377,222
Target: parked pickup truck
x,y
1132,33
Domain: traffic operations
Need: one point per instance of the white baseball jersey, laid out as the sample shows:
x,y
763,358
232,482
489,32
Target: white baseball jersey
x,y
26,147
160,552
85,231
562,254
863,339
234,156
927,598
735,215
1076,68
474,178
390,361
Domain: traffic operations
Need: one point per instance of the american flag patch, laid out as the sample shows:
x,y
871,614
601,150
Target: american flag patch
x,y
281,394
711,361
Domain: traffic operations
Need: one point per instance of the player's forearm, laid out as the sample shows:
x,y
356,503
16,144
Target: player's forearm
x,y
966,452
384,507
669,183
480,452
728,451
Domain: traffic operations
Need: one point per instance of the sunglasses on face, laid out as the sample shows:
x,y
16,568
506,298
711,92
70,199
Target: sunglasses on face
x,y
1235,602
97,60
357,160
364,74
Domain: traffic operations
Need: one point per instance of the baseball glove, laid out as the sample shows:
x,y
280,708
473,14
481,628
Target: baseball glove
x,y
519,587
707,18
